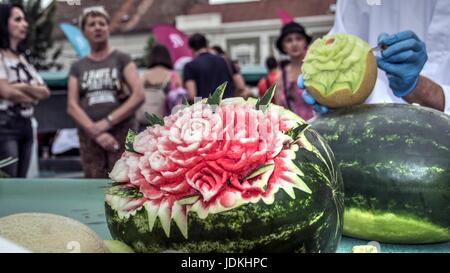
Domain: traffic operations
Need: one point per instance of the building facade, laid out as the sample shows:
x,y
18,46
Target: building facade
x,y
248,42
247,31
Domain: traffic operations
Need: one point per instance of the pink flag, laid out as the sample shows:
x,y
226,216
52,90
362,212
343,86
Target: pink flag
x,y
175,41
285,16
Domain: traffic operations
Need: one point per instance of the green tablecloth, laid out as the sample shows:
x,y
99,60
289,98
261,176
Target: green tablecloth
x,y
82,199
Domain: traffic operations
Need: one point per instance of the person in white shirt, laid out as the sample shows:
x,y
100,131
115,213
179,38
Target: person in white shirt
x,y
415,66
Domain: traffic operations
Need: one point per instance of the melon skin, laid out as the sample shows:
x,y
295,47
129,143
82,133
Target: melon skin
x,y
339,90
115,246
49,233
306,225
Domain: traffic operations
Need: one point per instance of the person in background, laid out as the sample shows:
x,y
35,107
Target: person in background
x,y
293,41
207,71
21,87
284,63
237,65
241,90
415,62
159,81
96,85
271,77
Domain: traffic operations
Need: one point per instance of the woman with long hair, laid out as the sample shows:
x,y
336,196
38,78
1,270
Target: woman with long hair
x,y
160,82
96,86
21,87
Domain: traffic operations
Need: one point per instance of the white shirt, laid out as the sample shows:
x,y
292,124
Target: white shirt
x,y
18,70
429,19
15,70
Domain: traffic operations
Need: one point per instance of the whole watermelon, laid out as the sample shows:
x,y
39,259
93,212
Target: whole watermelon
x,y
395,162
50,233
232,179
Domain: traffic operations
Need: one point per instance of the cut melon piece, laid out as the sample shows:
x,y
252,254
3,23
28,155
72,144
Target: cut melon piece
x,y
49,233
340,70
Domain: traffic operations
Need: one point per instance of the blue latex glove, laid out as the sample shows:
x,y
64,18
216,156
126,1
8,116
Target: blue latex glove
x,y
402,61
309,99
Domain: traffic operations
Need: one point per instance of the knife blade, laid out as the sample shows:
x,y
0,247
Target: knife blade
x,y
379,47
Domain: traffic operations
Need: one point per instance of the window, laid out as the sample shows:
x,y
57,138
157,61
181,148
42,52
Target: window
x,y
245,54
245,50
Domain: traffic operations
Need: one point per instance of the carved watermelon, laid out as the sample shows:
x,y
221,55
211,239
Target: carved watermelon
x,y
226,176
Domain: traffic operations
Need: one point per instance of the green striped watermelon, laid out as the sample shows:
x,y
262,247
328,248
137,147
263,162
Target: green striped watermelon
x,y
229,179
395,162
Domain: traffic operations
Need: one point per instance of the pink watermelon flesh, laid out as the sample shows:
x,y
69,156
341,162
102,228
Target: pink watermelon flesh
x,y
209,161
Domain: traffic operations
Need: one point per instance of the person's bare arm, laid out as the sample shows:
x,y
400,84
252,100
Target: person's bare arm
x,y
241,88
37,92
427,93
9,92
108,142
105,140
179,82
277,96
75,111
191,89
136,98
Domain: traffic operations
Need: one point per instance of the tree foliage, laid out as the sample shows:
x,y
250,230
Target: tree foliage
x,y
41,21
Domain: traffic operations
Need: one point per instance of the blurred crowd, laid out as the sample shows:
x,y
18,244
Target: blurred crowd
x,y
107,95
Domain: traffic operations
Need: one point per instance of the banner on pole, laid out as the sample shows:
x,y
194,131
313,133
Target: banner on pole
x,y
176,42
76,39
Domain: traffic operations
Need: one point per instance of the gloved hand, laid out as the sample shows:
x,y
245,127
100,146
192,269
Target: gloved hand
x,y
402,61
308,98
